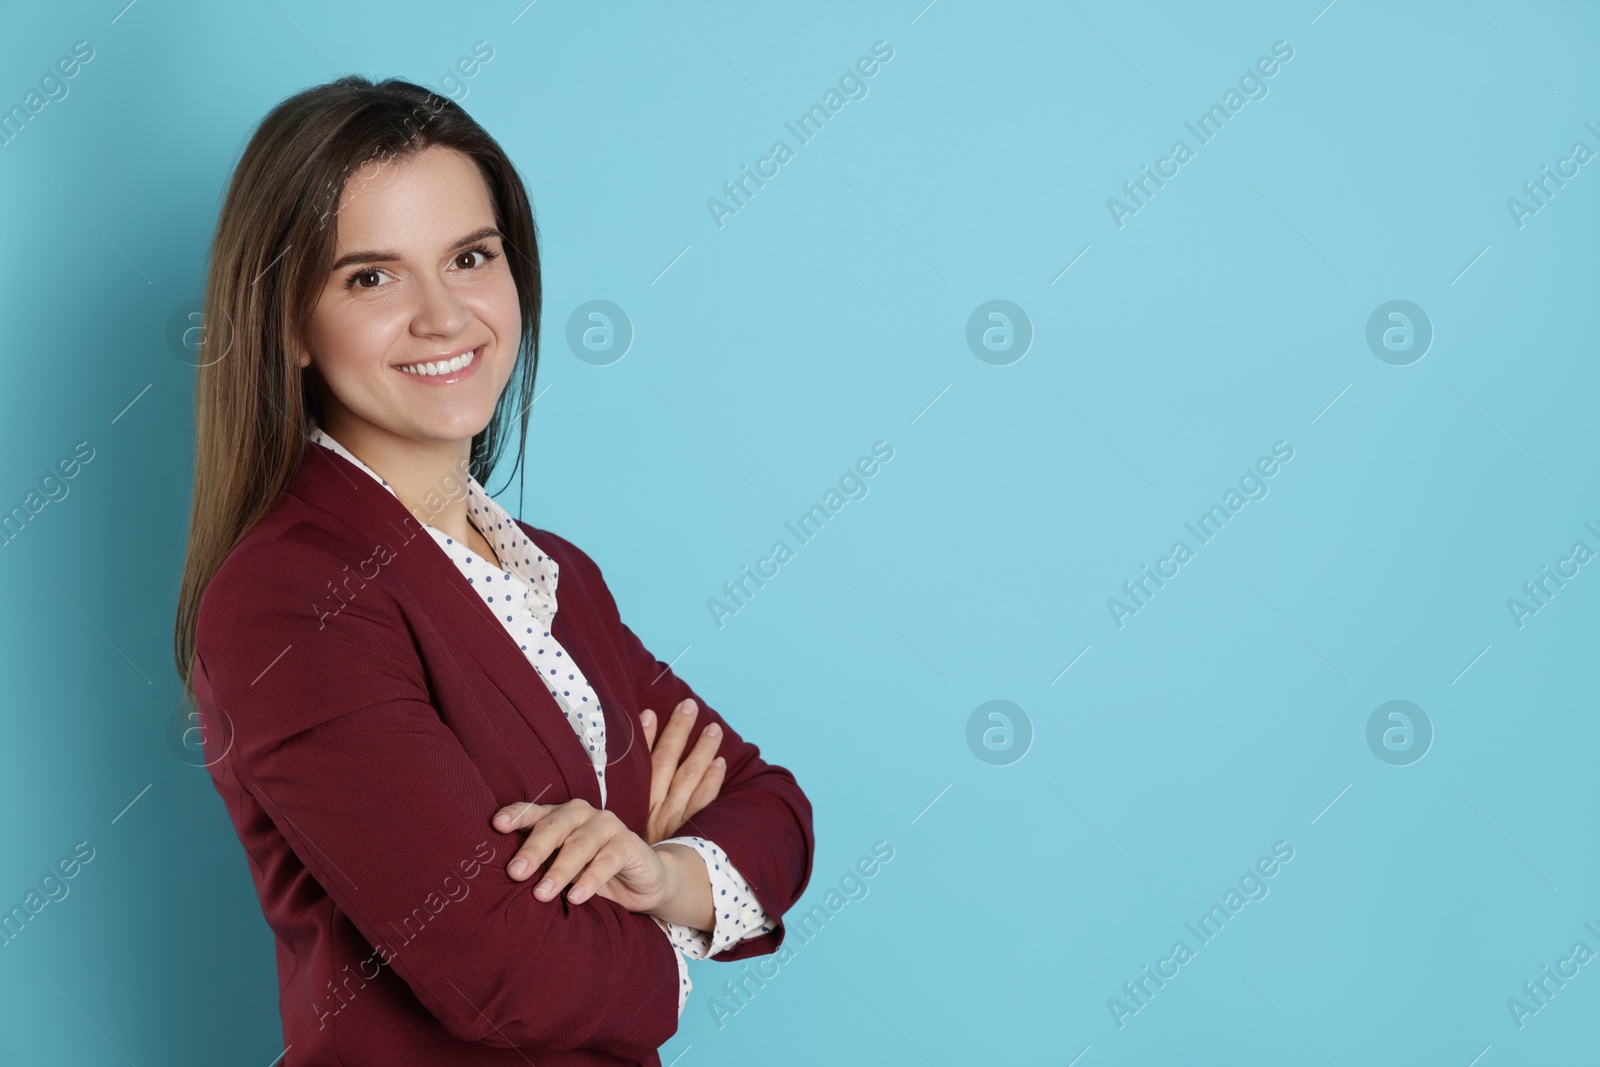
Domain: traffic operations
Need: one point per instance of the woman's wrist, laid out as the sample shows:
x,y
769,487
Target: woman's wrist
x,y
688,896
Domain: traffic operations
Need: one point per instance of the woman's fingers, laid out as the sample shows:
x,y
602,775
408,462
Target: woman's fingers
x,y
607,861
590,845
517,816
592,840
552,824
710,785
647,720
668,749
691,772
664,756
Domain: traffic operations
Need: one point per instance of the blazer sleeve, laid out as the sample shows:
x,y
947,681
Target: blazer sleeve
x,y
761,819
335,736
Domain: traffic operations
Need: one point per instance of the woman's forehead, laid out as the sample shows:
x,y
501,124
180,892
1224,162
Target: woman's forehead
x,y
427,201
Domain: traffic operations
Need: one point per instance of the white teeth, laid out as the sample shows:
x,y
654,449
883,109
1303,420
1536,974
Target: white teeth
x,y
447,366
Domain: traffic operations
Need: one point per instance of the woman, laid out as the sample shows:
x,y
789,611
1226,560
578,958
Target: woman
x,y
428,722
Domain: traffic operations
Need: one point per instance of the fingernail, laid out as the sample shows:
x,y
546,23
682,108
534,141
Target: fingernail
x,y
504,816
686,707
647,716
545,887
518,866
577,894
720,762
714,730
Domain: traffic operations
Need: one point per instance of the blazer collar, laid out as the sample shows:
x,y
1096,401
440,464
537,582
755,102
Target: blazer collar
x,y
373,517
541,575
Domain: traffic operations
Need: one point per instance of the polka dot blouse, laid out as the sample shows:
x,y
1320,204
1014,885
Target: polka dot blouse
x,y
523,596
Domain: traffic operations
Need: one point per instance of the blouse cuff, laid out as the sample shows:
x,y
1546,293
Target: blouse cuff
x,y
739,916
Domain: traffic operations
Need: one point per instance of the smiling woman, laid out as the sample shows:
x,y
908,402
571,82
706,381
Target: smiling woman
x,y
439,701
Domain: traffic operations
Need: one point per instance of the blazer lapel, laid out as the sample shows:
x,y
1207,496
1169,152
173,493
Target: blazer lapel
x,y
623,731
375,517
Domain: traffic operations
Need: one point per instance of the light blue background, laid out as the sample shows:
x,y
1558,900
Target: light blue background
x,y
829,313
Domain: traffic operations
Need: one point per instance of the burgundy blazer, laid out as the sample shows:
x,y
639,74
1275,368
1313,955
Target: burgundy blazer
x,y
365,715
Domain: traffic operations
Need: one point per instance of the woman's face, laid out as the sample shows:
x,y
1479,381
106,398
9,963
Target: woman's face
x,y
416,281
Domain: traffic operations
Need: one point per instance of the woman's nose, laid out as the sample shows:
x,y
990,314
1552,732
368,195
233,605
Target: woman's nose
x,y
438,310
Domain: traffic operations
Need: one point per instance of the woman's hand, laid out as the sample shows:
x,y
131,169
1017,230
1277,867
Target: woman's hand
x,y
598,854
678,791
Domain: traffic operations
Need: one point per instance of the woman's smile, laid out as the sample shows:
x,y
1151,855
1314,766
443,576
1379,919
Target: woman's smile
x,y
444,370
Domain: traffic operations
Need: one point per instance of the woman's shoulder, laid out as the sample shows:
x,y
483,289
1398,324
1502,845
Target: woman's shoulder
x,y
292,550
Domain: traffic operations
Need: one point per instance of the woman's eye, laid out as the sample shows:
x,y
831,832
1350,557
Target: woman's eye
x,y
358,278
484,253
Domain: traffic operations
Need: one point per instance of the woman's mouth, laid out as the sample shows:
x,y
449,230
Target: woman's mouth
x,y
444,370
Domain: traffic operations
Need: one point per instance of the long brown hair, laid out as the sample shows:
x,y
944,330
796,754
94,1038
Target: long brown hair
x,y
273,247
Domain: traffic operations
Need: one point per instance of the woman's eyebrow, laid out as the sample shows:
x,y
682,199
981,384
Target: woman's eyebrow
x,y
384,257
